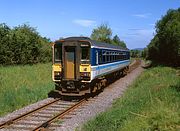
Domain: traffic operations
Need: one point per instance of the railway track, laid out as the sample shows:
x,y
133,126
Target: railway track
x,y
41,117
47,115
134,65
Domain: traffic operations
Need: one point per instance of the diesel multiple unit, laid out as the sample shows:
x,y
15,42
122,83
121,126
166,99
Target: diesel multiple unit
x,y
82,65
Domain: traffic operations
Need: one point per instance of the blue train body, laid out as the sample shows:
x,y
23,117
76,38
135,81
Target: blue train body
x,y
101,66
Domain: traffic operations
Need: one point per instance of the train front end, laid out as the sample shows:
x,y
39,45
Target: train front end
x,y
71,67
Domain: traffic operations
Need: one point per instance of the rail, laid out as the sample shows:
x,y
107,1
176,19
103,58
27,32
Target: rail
x,y
58,116
9,122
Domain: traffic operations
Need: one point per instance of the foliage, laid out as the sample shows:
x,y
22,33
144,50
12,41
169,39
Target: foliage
x,y
139,52
136,53
4,42
23,85
104,33
150,103
165,46
45,50
144,53
116,41
22,45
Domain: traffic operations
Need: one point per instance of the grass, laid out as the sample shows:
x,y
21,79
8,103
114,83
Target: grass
x,y
152,102
23,85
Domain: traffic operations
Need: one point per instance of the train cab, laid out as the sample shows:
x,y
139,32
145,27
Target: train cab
x,y
71,65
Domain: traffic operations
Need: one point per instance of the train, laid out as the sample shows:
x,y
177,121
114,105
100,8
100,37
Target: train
x,y
83,66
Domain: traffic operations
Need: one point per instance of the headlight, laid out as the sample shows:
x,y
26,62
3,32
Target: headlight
x,y
57,75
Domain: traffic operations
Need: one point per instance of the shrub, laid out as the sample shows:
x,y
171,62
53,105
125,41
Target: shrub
x,y
23,45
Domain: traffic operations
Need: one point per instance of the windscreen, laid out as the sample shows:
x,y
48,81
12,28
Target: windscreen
x,y
85,52
57,53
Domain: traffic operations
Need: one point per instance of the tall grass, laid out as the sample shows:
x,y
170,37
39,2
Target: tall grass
x,y
22,85
152,102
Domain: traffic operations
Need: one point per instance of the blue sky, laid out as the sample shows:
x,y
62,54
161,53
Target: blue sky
x,y
132,20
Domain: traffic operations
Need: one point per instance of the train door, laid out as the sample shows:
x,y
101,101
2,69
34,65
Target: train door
x,y
69,62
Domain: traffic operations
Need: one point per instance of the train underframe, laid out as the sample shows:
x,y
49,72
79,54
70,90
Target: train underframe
x,y
79,88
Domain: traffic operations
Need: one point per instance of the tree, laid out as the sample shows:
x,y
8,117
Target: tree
x,y
4,42
153,50
135,53
45,50
26,44
103,33
164,47
116,41
23,45
144,53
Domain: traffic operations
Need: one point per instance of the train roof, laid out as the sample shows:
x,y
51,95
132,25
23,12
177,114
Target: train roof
x,y
95,43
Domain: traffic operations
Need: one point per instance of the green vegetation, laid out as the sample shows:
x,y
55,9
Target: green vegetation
x,y
22,85
164,48
103,33
135,53
152,102
23,45
116,41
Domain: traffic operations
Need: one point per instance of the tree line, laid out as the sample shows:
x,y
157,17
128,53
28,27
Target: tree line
x,y
22,45
164,48
103,33
137,53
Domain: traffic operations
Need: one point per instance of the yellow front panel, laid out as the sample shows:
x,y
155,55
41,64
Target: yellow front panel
x,y
57,67
85,68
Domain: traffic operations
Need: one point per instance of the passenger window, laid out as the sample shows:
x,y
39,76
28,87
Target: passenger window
x,y
100,57
104,59
97,62
107,56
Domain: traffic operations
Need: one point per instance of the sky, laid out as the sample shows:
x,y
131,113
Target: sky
x,y
132,20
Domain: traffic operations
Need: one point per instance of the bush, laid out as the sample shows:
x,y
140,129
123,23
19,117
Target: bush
x,y
22,45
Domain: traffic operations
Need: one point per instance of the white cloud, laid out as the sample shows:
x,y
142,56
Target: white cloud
x,y
84,23
146,15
